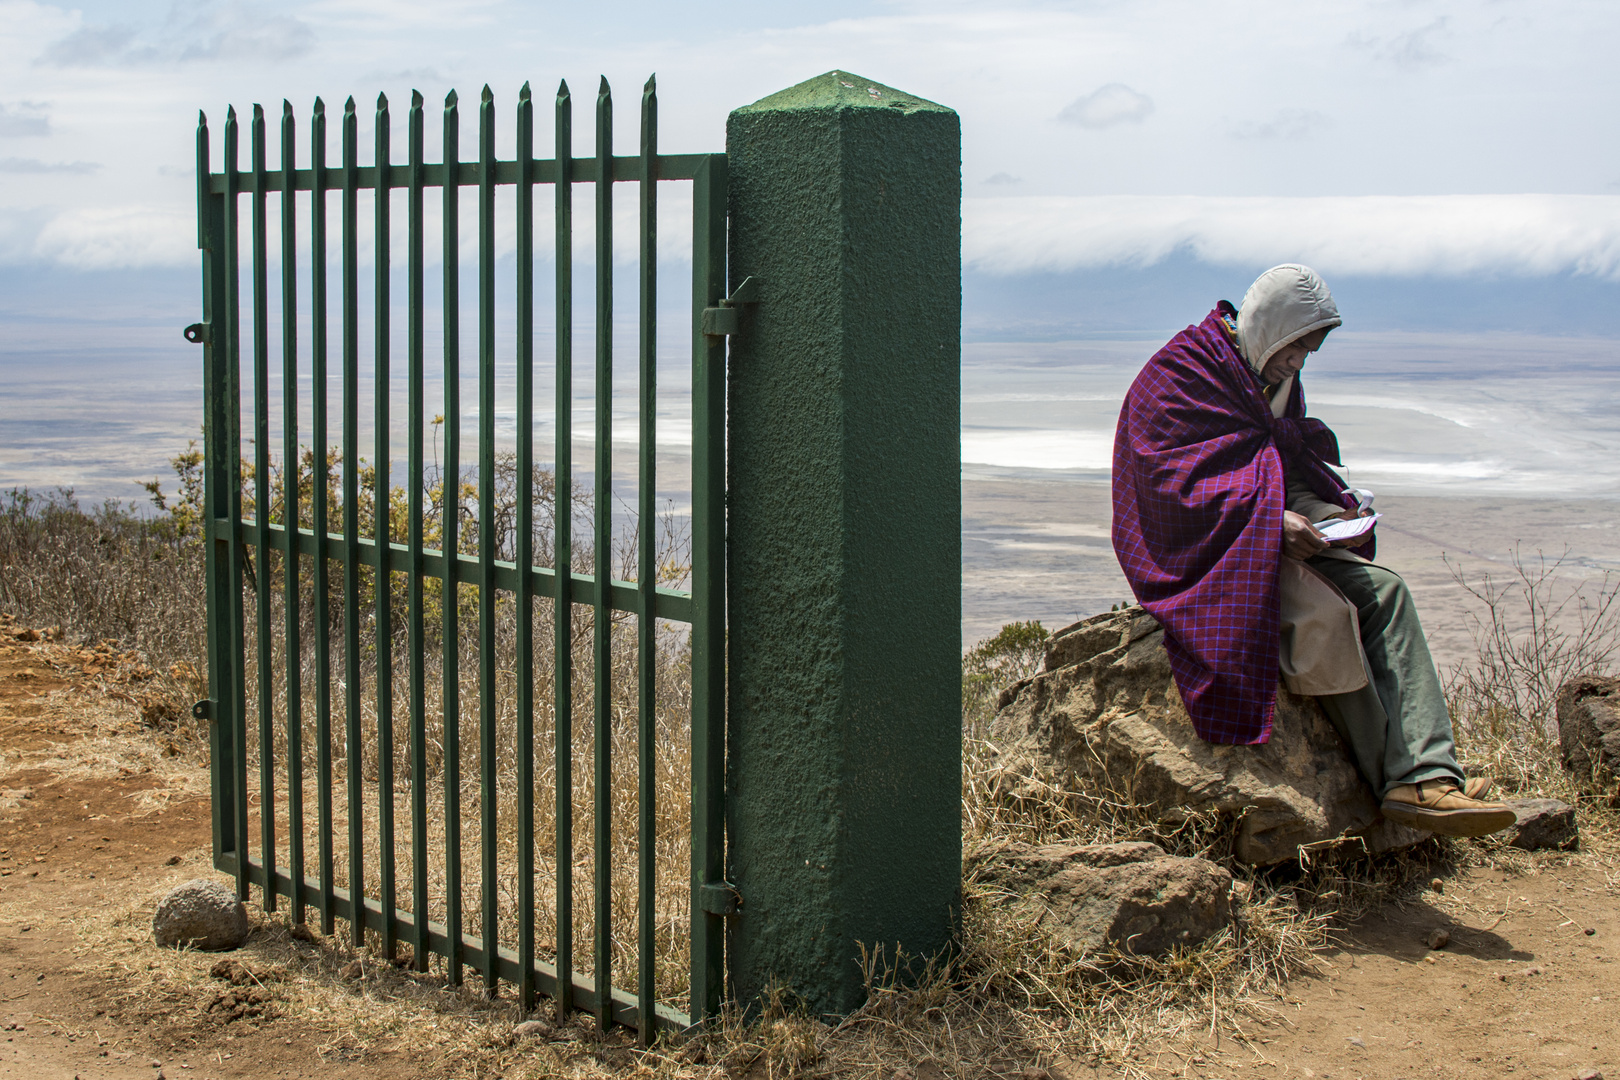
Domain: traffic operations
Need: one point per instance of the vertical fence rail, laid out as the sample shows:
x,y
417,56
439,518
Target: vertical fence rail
x,y
524,555
292,651
647,562
321,582
383,583
244,556
563,548
416,478
451,516
601,741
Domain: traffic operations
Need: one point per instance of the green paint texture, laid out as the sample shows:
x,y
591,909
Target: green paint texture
x,y
844,536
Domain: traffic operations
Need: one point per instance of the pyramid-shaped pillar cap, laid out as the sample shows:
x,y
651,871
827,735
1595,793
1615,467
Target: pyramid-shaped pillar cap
x,y
842,90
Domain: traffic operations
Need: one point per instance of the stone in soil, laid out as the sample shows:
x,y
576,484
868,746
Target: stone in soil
x,y
1104,717
1543,824
1131,896
201,914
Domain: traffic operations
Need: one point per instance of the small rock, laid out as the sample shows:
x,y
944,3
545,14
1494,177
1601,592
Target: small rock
x,y
173,860
1430,960
1437,885
1589,931
1588,1074
532,1029
1543,824
156,1064
201,914
1438,939
1357,1040
1132,896
1534,971
1242,892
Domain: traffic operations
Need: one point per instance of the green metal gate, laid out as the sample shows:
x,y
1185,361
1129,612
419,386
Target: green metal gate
x,y
258,706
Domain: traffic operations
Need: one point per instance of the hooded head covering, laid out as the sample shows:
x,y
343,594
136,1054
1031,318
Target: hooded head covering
x,y
1283,305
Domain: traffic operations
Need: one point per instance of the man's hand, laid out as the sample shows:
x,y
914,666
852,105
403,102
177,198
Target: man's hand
x,y
1300,538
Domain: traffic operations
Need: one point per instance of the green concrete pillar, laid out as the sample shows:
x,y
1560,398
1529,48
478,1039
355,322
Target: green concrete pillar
x,y
844,535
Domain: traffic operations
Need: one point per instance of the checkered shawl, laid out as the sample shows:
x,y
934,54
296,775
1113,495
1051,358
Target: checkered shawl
x,y
1198,503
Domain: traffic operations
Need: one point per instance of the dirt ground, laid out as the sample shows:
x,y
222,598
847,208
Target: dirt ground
x,y
99,815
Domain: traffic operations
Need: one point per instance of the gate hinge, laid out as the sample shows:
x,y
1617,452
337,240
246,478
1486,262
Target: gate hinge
x,y
720,898
197,333
203,710
722,321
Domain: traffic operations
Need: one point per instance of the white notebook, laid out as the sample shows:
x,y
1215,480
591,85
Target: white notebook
x,y
1340,529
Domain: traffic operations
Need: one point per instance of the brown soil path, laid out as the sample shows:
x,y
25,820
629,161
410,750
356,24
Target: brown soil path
x,y
99,814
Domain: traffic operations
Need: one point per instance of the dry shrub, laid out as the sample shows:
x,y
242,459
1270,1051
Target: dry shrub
x,y
1535,631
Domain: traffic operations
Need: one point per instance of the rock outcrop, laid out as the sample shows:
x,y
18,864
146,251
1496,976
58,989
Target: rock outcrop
x,y
201,914
1589,730
1131,896
1104,717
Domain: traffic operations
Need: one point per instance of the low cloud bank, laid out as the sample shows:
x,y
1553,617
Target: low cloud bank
x,y
1372,235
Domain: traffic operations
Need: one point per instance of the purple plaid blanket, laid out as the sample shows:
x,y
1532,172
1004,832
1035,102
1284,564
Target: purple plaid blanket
x,y
1198,504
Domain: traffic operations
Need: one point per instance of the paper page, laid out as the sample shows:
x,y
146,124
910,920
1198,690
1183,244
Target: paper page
x,y
1339,529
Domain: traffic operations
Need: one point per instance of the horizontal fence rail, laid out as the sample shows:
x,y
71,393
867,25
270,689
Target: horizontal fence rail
x,y
316,591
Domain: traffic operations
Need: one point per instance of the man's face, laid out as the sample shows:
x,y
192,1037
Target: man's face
x,y
1290,358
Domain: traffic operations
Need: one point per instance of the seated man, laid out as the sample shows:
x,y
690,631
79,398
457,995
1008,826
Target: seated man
x,y
1218,476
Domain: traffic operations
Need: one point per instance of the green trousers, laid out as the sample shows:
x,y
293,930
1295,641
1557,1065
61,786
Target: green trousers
x,y
1398,725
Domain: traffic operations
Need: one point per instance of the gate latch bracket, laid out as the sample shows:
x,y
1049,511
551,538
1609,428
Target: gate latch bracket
x,y
203,710
722,321
196,333
720,898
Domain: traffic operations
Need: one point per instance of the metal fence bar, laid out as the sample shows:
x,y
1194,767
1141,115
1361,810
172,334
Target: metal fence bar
x,y
263,488
647,572
524,556
351,511
290,503
320,583
602,959
486,531
383,582
562,709
416,479
623,170
232,477
708,586
451,514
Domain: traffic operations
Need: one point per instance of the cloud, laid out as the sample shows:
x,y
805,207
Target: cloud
x,y
1106,106
23,119
207,32
1288,125
280,37
34,165
1002,178
1411,51
1420,235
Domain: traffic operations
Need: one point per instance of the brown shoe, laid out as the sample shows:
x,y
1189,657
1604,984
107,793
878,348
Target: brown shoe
x,y
1475,787
1440,806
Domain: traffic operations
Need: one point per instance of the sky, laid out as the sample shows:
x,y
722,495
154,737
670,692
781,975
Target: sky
x,y
1441,163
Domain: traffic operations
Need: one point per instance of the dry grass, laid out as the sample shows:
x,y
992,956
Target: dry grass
x,y
1007,999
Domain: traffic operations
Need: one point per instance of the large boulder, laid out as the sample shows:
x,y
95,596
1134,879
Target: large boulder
x,y
1589,730
1131,896
201,914
1104,717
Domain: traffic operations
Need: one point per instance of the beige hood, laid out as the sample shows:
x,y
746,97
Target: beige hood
x,y
1284,303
